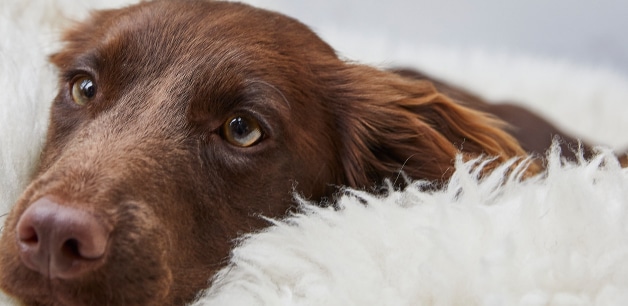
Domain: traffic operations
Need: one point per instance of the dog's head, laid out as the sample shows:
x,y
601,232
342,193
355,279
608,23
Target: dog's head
x,y
178,123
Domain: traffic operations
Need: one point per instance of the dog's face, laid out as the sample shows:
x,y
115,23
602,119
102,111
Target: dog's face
x,y
173,137
179,123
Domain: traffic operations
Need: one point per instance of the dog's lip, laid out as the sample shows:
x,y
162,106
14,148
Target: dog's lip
x,y
62,297
56,292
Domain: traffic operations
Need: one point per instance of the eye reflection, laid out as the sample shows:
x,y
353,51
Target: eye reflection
x,y
83,90
242,131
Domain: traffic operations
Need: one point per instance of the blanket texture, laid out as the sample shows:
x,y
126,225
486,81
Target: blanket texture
x,y
556,239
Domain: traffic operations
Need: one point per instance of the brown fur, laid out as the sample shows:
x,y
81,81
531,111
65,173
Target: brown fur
x,y
145,159
534,134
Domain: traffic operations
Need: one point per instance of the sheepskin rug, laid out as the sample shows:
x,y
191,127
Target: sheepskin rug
x,y
556,239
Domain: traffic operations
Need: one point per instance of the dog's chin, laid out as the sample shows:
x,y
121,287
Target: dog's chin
x,y
148,286
147,289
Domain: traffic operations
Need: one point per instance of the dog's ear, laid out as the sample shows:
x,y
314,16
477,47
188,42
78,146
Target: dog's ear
x,y
389,124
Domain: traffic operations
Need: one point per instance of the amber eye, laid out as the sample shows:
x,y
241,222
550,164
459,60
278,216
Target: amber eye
x,y
242,131
83,90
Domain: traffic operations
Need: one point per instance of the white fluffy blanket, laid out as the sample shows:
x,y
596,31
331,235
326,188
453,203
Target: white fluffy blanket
x,y
557,239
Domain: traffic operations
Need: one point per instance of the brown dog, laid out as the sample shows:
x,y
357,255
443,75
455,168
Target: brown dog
x,y
178,122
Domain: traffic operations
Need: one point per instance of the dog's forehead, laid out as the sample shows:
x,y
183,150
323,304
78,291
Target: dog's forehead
x,y
151,37
169,30
138,39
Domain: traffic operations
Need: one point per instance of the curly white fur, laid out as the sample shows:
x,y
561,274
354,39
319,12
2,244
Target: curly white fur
x,y
557,239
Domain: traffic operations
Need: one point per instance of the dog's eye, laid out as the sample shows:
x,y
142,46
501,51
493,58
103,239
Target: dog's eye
x,y
83,90
242,131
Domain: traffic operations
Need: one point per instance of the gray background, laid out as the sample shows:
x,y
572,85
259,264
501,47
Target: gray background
x,y
591,33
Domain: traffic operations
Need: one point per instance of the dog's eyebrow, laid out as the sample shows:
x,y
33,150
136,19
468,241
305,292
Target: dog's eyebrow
x,y
256,94
250,95
88,62
71,61
273,87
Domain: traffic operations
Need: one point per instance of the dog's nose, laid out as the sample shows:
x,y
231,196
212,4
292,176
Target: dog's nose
x,y
59,241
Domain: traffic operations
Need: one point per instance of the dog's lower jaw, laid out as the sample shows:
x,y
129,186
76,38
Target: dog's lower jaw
x,y
59,295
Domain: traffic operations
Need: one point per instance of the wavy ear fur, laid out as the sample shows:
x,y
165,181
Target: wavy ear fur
x,y
389,123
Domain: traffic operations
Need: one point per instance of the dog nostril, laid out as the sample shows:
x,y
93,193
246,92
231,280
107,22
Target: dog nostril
x,y
28,235
71,249
59,241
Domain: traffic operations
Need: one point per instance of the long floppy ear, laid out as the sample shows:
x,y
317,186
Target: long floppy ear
x,y
389,123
